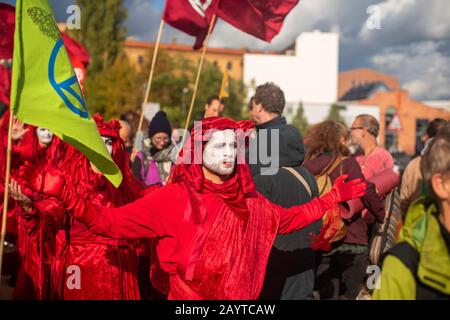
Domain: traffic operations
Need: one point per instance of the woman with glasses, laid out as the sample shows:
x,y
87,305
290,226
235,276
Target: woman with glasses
x,y
152,165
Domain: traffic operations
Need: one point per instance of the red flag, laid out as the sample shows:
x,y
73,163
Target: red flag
x,y
191,16
5,84
260,18
7,25
76,51
78,56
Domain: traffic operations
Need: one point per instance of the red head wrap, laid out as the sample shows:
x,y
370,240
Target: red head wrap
x,y
237,187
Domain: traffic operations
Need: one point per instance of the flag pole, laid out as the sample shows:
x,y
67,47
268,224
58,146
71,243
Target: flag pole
x,y
149,82
222,86
199,71
6,194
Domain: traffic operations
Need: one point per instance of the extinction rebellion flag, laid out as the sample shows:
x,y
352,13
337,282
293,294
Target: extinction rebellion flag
x,y
45,91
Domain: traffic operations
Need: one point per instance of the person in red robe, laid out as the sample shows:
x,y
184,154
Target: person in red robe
x,y
213,231
86,266
34,239
28,144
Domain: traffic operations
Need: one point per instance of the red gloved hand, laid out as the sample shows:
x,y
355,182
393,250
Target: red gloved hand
x,y
344,191
49,181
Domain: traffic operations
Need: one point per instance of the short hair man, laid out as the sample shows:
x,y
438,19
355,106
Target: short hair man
x,y
213,107
290,270
372,158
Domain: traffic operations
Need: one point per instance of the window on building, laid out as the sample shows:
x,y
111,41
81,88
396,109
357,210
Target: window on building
x,y
140,59
215,63
390,137
229,65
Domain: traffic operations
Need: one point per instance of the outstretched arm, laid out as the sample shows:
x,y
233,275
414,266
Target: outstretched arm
x,y
298,217
140,219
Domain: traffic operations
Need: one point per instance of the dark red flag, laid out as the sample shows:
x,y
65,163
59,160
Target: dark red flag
x,y
78,56
260,18
191,16
7,25
5,84
75,50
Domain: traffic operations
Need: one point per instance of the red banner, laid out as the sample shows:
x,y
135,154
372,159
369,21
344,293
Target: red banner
x,y
7,25
191,16
5,84
260,18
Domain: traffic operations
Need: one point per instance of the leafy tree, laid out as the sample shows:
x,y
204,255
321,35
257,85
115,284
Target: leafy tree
x,y
115,90
102,31
334,114
300,121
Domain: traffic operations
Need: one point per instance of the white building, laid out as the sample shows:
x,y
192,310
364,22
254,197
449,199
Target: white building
x,y
308,74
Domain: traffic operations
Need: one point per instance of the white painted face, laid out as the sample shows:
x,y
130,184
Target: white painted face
x,y
44,135
219,154
108,143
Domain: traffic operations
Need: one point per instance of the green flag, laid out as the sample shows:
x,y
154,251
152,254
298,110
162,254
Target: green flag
x,y
45,91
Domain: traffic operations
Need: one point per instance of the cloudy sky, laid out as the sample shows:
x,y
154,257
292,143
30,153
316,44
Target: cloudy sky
x,y
413,42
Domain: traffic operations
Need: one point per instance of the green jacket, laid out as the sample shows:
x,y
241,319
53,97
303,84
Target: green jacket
x,y
422,231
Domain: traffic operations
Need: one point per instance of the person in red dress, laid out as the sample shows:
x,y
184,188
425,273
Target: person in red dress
x,y
86,266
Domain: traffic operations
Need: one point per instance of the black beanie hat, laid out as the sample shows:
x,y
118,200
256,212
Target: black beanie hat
x,y
159,123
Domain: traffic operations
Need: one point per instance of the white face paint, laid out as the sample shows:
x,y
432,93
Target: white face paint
x,y
219,154
108,143
44,135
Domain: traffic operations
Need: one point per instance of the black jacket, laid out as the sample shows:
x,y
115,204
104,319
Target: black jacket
x,y
291,256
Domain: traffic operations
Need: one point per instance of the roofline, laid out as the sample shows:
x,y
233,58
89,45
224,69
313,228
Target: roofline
x,y
181,47
370,70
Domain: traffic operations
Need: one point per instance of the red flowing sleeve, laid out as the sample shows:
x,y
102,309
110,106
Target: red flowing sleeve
x,y
147,217
298,217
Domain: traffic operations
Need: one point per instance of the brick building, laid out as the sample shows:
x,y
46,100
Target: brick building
x,y
367,87
231,59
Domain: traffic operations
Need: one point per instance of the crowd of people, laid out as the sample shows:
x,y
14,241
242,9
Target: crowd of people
x,y
232,225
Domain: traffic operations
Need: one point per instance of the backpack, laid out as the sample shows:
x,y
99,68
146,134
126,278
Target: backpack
x,y
385,234
410,257
333,227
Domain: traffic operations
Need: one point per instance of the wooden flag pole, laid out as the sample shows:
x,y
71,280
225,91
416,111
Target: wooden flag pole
x,y
199,71
6,194
149,82
222,85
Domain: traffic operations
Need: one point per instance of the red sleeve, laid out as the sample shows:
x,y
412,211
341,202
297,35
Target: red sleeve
x,y
148,217
298,217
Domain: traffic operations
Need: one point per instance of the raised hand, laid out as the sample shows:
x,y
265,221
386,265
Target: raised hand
x,y
18,129
16,193
344,191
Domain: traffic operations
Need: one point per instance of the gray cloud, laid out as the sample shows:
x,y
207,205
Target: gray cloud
x,y
413,43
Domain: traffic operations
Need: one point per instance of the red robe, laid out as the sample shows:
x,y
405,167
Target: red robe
x,y
34,239
108,268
